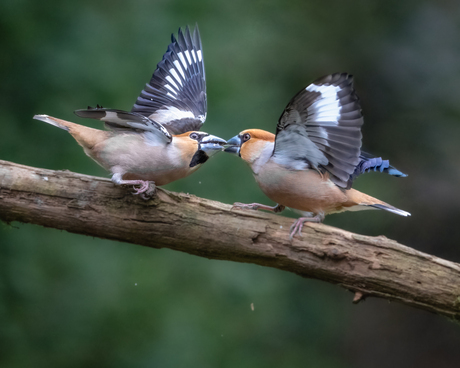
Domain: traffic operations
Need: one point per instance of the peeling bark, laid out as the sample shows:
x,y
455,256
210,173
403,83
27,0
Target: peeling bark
x,y
367,266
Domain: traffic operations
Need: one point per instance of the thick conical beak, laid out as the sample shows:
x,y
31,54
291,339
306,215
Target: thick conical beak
x,y
234,145
212,144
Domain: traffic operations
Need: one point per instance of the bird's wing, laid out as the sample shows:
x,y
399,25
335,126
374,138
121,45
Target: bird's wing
x,y
130,121
321,129
173,102
176,94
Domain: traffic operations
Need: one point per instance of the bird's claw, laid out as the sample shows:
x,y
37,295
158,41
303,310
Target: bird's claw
x,y
296,227
146,190
150,192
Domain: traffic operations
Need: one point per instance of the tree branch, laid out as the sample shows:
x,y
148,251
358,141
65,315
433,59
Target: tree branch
x,y
368,266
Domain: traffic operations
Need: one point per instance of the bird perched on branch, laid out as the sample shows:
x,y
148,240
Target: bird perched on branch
x,y
159,140
311,162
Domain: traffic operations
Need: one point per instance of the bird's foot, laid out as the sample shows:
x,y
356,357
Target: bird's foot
x,y
257,206
143,186
146,188
150,192
296,227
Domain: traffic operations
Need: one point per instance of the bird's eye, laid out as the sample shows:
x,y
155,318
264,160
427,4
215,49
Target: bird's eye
x,y
194,136
246,137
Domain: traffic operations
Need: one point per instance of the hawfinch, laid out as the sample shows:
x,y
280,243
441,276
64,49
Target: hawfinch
x,y
159,140
310,163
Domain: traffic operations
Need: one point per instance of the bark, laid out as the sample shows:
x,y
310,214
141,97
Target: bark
x,y
368,266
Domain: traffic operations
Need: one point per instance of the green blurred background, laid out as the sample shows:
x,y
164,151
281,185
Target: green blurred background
x,y
73,301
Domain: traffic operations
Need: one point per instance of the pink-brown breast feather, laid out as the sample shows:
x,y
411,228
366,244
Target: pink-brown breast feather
x,y
305,190
131,155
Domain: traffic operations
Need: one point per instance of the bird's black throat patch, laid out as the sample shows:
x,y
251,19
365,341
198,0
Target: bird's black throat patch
x,y
200,157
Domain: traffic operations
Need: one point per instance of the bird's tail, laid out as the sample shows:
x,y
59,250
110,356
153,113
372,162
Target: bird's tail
x,y
66,125
390,208
363,201
85,136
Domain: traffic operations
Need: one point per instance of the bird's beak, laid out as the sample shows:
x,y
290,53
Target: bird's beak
x,y
212,144
234,145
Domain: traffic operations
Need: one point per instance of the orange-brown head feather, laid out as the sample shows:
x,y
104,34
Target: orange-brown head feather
x,y
186,145
253,141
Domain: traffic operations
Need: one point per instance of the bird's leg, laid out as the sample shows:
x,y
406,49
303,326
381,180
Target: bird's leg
x,y
298,224
146,188
258,206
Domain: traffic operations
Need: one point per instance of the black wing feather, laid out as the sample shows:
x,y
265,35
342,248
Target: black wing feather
x,y
176,93
124,120
321,126
174,101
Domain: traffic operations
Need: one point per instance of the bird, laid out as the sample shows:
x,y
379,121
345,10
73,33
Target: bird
x,y
159,140
310,164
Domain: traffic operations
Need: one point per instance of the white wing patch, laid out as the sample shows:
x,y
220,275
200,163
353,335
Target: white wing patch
x,y
179,67
169,113
182,59
170,80
172,90
187,53
327,108
325,90
176,76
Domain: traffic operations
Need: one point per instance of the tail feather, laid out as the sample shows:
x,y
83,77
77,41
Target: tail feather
x,y
359,201
85,136
53,121
389,208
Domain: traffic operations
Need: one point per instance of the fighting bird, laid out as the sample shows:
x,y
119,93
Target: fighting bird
x,y
159,140
312,161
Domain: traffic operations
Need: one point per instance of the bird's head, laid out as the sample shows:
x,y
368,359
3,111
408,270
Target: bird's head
x,y
199,146
249,144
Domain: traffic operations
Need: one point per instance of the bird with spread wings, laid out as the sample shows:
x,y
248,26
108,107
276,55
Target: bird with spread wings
x,y
159,140
312,161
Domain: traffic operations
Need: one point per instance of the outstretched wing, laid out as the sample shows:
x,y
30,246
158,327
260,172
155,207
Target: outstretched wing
x,y
321,128
124,120
176,94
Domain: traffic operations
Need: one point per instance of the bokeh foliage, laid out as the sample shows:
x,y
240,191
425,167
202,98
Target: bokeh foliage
x,y
69,301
